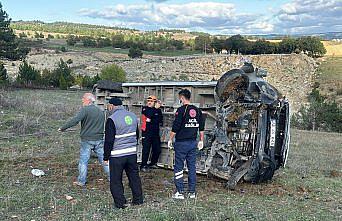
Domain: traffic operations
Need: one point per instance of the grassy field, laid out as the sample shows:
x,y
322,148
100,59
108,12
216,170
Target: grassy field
x,y
309,188
330,78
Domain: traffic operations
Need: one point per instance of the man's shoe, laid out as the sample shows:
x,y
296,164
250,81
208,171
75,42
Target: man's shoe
x,y
76,183
192,196
115,208
153,166
144,169
178,196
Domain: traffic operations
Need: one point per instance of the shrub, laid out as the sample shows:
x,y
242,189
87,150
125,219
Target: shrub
x,y
64,70
63,85
96,78
3,75
114,73
62,74
71,40
62,49
183,77
318,115
89,42
22,35
135,52
28,75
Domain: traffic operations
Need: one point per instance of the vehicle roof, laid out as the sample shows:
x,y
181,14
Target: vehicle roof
x,y
171,83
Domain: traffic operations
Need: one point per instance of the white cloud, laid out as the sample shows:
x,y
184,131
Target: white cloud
x,y
309,16
208,16
297,16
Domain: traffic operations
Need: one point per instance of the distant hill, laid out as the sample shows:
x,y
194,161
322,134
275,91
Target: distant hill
x,y
107,31
324,36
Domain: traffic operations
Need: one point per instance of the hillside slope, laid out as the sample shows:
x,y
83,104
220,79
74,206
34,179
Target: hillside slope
x,y
292,74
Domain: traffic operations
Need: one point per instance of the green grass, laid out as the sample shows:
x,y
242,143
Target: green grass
x,y
309,188
330,78
331,69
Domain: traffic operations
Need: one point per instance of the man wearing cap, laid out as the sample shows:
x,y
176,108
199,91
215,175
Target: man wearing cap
x,y
120,149
92,125
188,122
151,120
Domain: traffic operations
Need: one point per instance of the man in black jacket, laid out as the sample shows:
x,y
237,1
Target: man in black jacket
x,y
151,120
188,122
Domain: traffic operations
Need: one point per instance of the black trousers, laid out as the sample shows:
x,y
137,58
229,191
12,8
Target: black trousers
x,y
147,142
128,164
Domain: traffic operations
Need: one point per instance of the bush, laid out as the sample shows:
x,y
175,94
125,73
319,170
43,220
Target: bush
x,y
63,85
38,35
86,81
63,49
3,75
96,78
63,70
103,42
28,75
62,74
135,52
22,35
183,77
71,40
47,78
114,73
89,42
319,115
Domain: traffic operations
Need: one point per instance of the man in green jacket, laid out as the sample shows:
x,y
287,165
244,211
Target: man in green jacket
x,y
92,132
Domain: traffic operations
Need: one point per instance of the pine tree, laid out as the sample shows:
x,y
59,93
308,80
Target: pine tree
x,y
62,83
3,75
9,45
28,75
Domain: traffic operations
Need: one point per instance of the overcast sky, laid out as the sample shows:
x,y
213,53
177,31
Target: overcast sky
x,y
216,17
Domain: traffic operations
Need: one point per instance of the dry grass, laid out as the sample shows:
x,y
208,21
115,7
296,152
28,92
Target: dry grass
x,y
333,48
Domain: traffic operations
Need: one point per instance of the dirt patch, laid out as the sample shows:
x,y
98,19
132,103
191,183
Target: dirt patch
x,y
335,174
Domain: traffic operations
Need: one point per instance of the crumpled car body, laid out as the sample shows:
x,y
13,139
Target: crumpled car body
x,y
251,137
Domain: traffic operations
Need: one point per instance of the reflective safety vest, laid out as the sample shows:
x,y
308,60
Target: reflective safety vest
x,y
125,142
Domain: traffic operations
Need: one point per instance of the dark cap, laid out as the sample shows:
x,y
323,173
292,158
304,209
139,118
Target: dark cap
x,y
115,101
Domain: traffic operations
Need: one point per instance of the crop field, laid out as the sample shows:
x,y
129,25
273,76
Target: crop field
x,y
333,48
309,188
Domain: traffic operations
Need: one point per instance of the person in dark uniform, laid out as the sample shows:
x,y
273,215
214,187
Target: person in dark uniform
x,y
151,120
120,148
188,122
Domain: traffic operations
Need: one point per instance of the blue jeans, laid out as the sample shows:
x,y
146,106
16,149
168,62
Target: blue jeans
x,y
185,151
86,148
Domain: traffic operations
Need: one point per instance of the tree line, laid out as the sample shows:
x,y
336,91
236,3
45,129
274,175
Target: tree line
x,y
67,28
61,77
147,43
238,44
